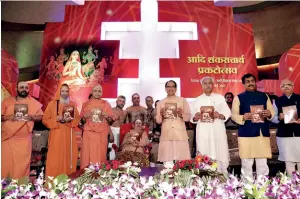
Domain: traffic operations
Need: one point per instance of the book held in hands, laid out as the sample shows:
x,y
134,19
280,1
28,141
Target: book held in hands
x,y
207,114
21,112
170,110
290,114
68,112
97,116
257,113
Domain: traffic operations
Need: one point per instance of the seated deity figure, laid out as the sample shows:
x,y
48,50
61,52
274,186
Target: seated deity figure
x,y
89,58
72,74
132,147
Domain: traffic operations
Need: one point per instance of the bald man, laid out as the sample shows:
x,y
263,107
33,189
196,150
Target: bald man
x,y
288,134
96,128
211,138
17,119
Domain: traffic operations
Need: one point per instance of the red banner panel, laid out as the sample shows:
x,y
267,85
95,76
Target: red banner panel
x,y
73,53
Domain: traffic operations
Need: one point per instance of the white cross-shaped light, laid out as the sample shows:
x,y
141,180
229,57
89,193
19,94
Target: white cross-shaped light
x,y
148,41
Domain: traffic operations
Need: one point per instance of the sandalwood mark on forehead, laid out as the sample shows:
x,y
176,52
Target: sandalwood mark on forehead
x,y
98,86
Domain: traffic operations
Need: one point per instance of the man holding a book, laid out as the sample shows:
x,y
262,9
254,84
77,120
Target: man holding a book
x,y
288,133
17,118
210,113
61,117
97,114
172,113
250,110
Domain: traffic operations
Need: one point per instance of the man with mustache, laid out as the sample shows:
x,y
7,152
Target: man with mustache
x,y
288,135
16,135
136,111
253,138
154,149
62,145
120,116
150,113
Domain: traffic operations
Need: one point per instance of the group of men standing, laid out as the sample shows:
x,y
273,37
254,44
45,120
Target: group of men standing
x,y
209,112
252,111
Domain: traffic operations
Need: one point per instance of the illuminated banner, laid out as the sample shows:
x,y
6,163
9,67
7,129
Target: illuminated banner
x,y
224,49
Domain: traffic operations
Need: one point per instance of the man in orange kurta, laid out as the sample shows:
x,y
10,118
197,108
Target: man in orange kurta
x,y
62,146
97,113
16,133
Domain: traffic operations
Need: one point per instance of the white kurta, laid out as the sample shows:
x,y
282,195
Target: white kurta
x,y
116,133
211,138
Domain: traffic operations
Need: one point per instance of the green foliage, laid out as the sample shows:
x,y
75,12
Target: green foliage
x,y
4,191
184,178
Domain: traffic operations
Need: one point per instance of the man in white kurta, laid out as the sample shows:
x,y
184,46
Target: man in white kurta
x,y
288,134
211,138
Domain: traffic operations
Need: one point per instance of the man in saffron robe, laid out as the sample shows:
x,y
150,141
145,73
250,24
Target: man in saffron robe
x,y
61,117
172,113
16,133
97,114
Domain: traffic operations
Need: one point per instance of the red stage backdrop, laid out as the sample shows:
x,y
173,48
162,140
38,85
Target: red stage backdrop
x,y
9,74
289,68
224,50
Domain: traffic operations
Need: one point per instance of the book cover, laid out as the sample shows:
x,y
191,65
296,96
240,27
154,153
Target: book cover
x,y
290,114
68,112
97,116
257,113
21,112
207,114
170,110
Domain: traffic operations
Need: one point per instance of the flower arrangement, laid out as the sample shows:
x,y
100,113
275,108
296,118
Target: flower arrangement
x,y
106,172
126,186
200,162
183,172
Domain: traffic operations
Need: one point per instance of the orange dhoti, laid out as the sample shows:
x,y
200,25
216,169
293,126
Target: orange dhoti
x,y
15,157
95,135
94,148
16,139
62,145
